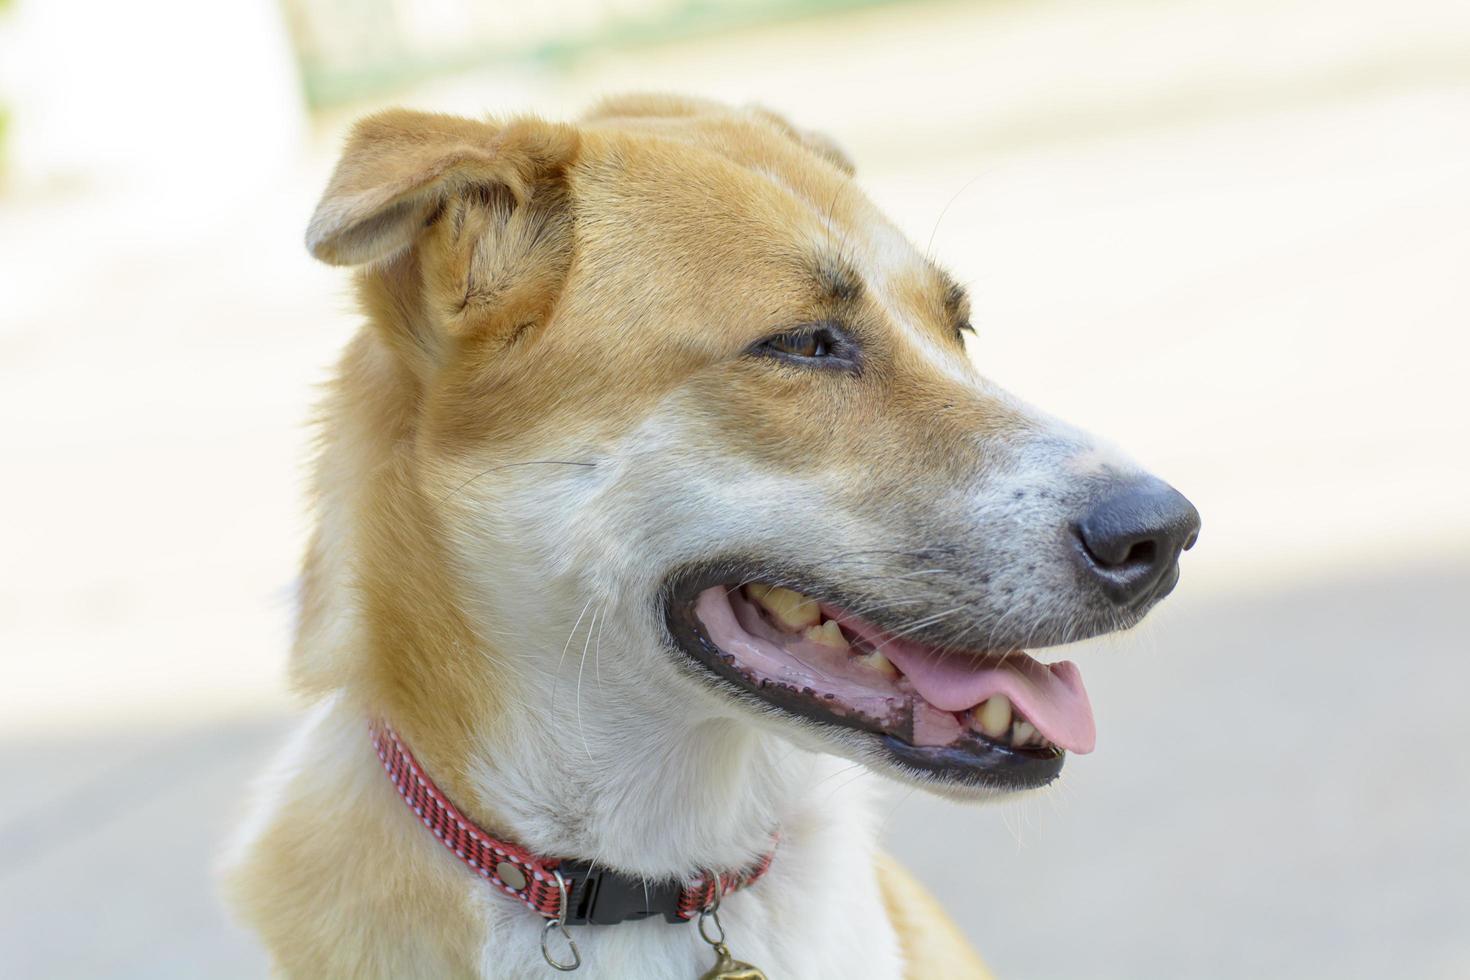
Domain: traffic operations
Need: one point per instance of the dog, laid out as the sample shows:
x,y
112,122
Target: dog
x,y
656,493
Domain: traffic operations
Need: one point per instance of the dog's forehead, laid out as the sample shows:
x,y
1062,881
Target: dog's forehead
x,y
735,201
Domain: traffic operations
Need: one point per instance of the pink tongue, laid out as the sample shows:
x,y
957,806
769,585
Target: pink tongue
x,y
1051,697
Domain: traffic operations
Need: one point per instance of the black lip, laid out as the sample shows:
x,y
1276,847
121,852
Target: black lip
x,y
971,761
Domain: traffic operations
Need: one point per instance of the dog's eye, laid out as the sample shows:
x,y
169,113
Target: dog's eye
x,y
819,346
813,344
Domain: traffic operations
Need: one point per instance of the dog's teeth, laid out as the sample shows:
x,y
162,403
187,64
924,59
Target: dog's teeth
x,y
1024,733
791,611
876,661
993,715
829,634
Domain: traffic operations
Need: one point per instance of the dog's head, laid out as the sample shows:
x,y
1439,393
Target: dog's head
x,y
663,391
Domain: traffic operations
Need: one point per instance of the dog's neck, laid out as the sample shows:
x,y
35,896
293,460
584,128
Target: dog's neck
x,y
635,781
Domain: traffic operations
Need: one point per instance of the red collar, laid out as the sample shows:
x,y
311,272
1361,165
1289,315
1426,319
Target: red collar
x,y
600,896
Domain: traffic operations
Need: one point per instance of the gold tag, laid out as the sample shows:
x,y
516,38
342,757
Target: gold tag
x,y
727,968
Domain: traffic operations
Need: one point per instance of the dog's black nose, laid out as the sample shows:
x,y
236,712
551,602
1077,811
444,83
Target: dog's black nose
x,y
1131,539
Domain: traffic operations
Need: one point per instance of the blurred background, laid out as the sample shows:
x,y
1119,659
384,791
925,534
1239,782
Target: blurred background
x,y
1233,237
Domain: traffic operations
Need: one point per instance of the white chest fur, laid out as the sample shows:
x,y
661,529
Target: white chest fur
x,y
817,913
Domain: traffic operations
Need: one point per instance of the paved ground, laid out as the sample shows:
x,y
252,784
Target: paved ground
x,y
1279,792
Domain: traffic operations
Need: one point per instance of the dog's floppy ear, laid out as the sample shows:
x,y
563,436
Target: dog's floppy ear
x,y
401,167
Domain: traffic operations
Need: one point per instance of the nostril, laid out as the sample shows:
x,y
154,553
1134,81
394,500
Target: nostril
x,y
1114,552
1131,539
1142,553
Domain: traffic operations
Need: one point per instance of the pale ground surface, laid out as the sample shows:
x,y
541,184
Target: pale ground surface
x,y
1236,243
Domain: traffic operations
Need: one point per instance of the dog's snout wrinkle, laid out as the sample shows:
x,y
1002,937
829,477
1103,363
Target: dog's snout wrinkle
x,y
1130,541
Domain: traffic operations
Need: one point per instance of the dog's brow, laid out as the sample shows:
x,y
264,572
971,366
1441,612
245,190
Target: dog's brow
x,y
836,278
956,300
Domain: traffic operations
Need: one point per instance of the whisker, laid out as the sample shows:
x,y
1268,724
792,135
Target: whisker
x,y
838,772
582,667
863,771
556,677
929,248
505,466
597,654
921,623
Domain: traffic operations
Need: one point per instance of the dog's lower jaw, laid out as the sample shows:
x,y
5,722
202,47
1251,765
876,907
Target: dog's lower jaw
x,y
335,864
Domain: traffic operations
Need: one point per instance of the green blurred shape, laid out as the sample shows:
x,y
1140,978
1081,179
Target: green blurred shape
x,y
329,84
4,134
5,6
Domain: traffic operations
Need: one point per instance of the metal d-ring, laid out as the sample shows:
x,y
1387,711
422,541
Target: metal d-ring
x,y
560,925
711,913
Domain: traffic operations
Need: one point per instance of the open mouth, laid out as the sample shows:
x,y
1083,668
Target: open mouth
x,y
996,718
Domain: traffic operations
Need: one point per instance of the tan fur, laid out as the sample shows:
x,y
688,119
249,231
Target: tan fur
x,y
338,891
509,317
932,944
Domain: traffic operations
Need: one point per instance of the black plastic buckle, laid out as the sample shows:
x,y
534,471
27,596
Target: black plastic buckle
x,y
603,897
